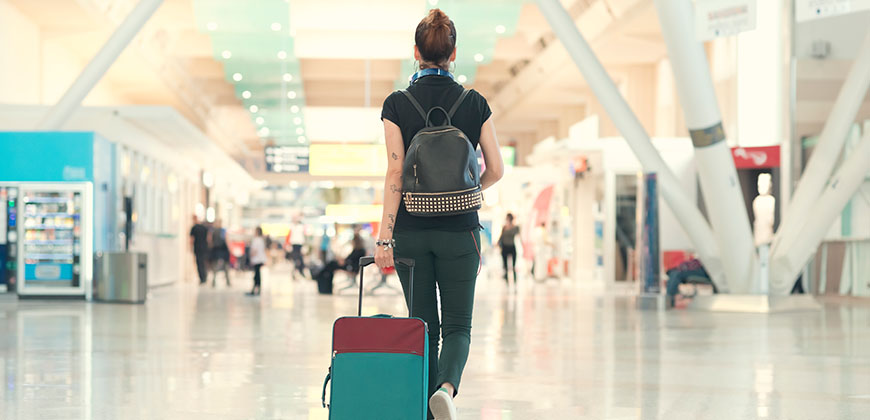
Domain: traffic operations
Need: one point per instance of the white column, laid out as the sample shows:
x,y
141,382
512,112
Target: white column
x,y
612,101
785,267
98,66
823,158
718,176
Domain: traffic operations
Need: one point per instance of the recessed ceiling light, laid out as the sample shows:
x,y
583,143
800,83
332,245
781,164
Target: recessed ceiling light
x,y
297,120
462,78
237,77
276,26
294,109
260,120
212,26
500,29
301,139
254,108
263,132
288,77
433,2
246,94
282,55
478,57
291,94
300,130
226,54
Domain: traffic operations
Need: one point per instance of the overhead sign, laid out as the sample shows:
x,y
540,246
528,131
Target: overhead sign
x,y
721,18
815,9
287,159
347,160
756,157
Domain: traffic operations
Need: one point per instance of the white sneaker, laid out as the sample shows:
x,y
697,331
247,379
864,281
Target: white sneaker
x,y
442,406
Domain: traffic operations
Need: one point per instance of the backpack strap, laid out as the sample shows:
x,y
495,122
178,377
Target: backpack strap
x,y
456,105
416,104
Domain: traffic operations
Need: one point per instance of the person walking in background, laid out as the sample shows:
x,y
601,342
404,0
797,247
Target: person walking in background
x,y
258,258
507,242
297,241
220,253
199,244
446,248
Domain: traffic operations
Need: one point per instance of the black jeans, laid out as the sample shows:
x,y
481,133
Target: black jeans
x,y
509,252
296,256
257,268
202,266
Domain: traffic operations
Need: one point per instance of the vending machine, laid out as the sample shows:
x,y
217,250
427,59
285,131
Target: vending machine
x,y
8,238
53,230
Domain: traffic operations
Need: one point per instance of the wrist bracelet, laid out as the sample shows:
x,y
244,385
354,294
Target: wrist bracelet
x,y
386,243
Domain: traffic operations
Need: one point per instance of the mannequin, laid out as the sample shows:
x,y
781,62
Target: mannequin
x,y
763,207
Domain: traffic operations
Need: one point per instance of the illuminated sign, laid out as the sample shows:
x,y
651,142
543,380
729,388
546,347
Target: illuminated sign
x,y
350,213
291,159
347,160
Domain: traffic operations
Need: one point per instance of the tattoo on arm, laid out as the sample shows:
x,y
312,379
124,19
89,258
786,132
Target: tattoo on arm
x,y
395,156
394,189
392,222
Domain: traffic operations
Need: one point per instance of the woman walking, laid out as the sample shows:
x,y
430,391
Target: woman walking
x,y
446,248
258,258
508,245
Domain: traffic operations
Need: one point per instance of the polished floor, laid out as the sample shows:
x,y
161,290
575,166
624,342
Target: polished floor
x,y
545,351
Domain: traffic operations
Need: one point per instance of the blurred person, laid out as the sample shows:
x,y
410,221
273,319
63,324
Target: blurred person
x,y
220,253
507,242
446,248
199,244
350,264
691,269
257,257
296,239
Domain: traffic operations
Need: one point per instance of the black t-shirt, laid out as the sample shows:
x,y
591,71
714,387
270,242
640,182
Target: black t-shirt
x,y
433,91
200,238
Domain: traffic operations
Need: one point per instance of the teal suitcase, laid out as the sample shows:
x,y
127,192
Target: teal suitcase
x,y
380,364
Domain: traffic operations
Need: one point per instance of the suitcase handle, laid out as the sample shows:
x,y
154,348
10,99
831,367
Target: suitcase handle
x,y
407,262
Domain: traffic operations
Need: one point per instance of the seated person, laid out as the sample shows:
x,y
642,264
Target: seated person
x,y
349,264
681,274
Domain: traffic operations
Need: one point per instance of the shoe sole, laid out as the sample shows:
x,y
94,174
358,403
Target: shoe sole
x,y
442,406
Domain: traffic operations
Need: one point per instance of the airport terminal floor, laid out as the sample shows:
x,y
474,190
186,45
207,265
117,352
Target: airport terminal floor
x,y
539,351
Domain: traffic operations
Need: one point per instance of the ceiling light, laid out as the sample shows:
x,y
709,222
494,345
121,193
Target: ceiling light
x,y
478,57
212,26
260,120
276,26
294,184
246,94
301,139
294,109
500,29
433,2
226,54
237,77
462,78
254,108
288,77
300,130
297,120
282,55
263,132
291,94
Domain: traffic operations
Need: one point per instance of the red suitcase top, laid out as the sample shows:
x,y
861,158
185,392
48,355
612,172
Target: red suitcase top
x,y
379,335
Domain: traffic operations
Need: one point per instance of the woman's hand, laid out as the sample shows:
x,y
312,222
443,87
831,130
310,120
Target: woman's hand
x,y
384,257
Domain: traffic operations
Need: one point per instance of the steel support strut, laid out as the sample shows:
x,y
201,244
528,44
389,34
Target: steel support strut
x,y
92,73
718,176
617,108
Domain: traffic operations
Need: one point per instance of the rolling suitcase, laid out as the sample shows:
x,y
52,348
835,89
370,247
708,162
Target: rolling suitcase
x,y
380,364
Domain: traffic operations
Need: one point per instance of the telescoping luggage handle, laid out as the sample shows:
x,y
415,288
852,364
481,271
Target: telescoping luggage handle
x,y
407,262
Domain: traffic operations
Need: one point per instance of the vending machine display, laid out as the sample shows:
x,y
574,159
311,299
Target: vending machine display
x,y
54,244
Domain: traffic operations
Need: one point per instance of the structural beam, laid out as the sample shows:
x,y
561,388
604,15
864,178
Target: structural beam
x,y
97,67
716,172
841,188
822,162
617,108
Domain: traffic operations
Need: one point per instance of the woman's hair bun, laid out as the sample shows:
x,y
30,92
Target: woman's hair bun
x,y
436,37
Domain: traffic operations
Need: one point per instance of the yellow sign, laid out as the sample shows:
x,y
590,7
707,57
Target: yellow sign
x,y
350,213
347,160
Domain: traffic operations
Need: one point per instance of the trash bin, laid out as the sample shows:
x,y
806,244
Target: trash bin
x,y
121,276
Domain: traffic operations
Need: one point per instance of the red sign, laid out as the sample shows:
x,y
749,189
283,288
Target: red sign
x,y
756,157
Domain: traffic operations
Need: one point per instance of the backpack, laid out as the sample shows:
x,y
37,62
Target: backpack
x,y
440,175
